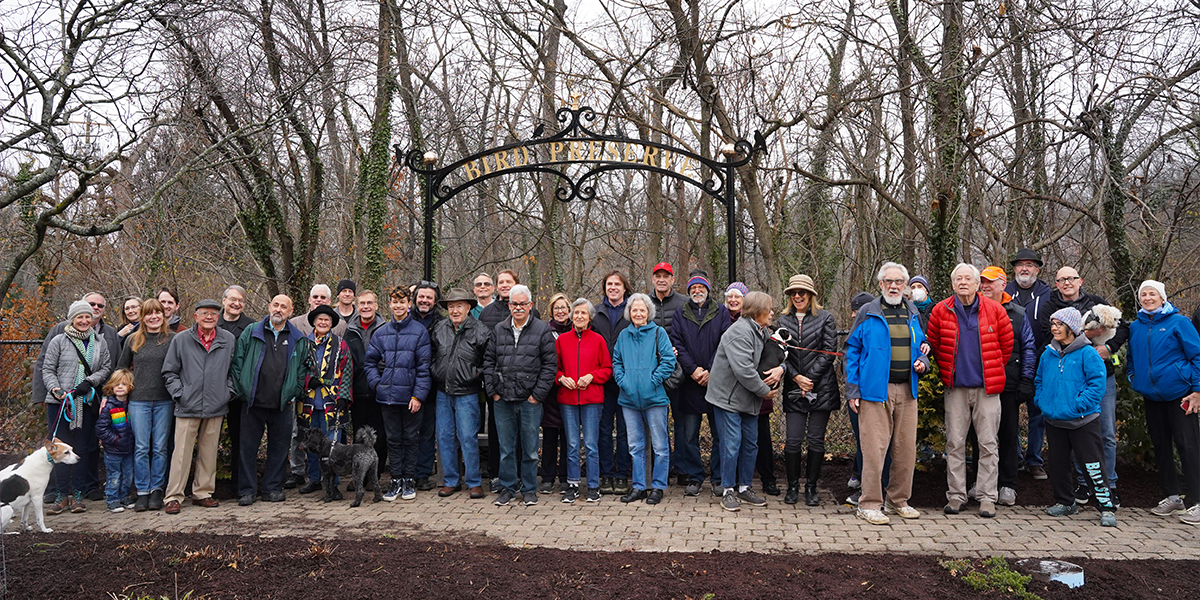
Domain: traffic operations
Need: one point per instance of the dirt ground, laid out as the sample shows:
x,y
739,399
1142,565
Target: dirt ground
x,y
210,566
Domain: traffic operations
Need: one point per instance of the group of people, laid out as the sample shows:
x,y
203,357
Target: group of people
x,y
583,399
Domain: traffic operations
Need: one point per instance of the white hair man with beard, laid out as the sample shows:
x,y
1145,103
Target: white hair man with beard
x,y
886,338
1033,295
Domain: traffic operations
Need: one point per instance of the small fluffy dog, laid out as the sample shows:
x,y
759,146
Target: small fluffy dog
x,y
22,485
358,460
1102,316
774,351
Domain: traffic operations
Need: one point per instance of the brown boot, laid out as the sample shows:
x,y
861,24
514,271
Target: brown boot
x,y
77,505
60,506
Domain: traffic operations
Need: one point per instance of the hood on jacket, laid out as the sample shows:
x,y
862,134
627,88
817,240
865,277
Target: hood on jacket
x,y
1079,342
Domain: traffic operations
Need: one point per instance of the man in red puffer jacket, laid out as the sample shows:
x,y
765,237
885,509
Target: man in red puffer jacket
x,y
972,339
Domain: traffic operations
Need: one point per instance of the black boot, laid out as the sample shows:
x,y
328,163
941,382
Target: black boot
x,y
791,464
812,474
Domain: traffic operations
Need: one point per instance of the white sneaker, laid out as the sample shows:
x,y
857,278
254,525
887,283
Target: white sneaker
x,y
905,512
853,483
873,517
1006,497
1191,516
1171,505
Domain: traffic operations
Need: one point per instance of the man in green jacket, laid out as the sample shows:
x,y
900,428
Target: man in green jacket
x,y
269,370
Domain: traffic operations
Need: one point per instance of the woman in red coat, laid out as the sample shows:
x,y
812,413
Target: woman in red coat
x,y
584,364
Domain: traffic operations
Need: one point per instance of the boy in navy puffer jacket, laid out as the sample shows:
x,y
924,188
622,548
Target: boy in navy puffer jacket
x,y
116,437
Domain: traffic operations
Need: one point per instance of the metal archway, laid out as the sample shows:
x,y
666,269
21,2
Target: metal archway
x,y
562,155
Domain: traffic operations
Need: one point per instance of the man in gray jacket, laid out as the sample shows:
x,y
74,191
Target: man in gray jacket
x,y
197,373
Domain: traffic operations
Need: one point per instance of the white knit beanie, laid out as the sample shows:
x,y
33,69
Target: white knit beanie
x,y
1156,285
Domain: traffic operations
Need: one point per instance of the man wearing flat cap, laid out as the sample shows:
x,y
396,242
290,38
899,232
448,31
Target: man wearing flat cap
x,y
197,373
328,389
459,344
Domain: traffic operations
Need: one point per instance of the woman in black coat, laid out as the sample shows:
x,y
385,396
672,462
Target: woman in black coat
x,y
810,392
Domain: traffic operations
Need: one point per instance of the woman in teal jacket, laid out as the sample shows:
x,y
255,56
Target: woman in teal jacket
x,y
642,360
1164,367
1070,382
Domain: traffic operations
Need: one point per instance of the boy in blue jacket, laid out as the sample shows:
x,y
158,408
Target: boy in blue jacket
x,y
1070,382
116,437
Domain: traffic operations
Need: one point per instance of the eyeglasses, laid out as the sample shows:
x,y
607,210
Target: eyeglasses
x,y
97,304
1067,279
483,284
891,282
520,304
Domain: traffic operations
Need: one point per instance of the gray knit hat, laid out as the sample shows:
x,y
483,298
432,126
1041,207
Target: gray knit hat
x,y
78,307
1070,317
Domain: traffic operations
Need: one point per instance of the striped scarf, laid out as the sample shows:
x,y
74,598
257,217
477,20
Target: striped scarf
x,y
77,337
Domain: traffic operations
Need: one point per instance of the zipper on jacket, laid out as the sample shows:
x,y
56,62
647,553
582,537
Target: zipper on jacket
x,y
578,349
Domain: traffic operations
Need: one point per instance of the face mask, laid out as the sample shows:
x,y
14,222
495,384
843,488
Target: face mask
x,y
918,295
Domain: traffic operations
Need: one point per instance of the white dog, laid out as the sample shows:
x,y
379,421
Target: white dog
x,y
1102,316
22,485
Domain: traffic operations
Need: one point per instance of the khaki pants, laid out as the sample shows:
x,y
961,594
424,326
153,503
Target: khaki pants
x,y
205,434
881,424
964,407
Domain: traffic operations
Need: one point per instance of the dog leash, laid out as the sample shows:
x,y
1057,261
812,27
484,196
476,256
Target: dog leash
x,y
793,347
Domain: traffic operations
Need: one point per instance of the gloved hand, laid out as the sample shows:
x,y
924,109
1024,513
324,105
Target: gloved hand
x,y
83,389
1025,389
314,383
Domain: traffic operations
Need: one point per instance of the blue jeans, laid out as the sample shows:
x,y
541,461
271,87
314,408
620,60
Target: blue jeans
x,y
1108,434
151,423
687,447
614,460
119,473
1037,435
655,421
521,419
318,421
586,417
739,447
457,429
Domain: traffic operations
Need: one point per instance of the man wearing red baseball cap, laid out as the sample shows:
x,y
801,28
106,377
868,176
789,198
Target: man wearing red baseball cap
x,y
1018,382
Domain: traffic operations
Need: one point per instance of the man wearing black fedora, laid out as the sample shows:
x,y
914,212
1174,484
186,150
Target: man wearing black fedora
x,y
459,345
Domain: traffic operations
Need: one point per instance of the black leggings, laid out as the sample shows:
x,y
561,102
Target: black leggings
x,y
1167,423
1088,446
808,426
554,454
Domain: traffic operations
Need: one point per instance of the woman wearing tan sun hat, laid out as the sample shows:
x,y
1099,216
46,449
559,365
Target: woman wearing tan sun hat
x,y
810,389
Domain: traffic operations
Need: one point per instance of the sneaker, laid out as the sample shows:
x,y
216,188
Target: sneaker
x,y
77,506
1108,518
853,483
1116,500
730,502
749,497
129,501
953,507
547,487
1171,505
692,489
116,508
606,486
530,498
1006,497
1082,494
1191,516
1063,510
717,490
246,500
408,490
571,494
622,486
987,509
593,495
95,495
873,517
852,499
505,497
424,484
1038,472
494,485
61,505
393,491
905,512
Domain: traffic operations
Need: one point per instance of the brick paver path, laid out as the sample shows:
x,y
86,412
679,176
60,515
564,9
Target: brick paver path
x,y
678,524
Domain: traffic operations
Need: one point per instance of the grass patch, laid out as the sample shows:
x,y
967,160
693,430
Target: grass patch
x,y
992,574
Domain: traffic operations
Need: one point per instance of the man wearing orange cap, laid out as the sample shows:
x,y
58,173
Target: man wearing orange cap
x,y
1018,383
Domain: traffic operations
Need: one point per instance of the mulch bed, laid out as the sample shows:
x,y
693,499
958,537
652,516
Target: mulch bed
x,y
212,566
